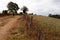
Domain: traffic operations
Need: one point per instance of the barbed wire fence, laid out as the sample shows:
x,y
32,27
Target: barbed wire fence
x,y
30,26
40,35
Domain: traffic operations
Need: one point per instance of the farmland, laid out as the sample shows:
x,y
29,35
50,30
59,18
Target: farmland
x,y
17,28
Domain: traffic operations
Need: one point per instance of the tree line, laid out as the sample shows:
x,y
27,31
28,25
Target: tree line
x,y
13,8
54,16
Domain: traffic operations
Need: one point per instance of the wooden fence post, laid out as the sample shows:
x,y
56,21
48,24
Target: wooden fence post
x,y
39,34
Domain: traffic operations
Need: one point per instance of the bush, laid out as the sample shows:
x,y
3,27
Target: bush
x,y
49,15
54,16
21,13
4,12
31,14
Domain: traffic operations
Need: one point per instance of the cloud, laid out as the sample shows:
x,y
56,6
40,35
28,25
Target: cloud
x,y
48,6
41,7
56,0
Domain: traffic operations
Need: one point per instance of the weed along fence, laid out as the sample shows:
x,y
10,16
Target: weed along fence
x,y
38,34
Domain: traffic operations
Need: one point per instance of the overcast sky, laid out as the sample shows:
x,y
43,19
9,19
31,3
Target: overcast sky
x,y
41,7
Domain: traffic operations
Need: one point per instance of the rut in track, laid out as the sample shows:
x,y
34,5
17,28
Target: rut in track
x,y
4,31
5,20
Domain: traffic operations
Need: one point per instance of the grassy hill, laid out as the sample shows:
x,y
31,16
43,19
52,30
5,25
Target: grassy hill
x,y
47,23
49,28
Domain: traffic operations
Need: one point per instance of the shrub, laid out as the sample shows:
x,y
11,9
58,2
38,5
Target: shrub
x,y
4,12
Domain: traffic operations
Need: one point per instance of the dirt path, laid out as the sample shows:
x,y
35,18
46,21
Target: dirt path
x,y
5,29
5,17
5,20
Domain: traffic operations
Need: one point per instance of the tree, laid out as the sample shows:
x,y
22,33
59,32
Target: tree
x,y
4,12
49,15
24,9
13,7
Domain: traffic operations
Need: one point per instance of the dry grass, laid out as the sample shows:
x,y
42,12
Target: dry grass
x,y
50,28
48,24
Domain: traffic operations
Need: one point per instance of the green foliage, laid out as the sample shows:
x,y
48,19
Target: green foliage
x,y
24,9
21,13
4,12
49,15
12,6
